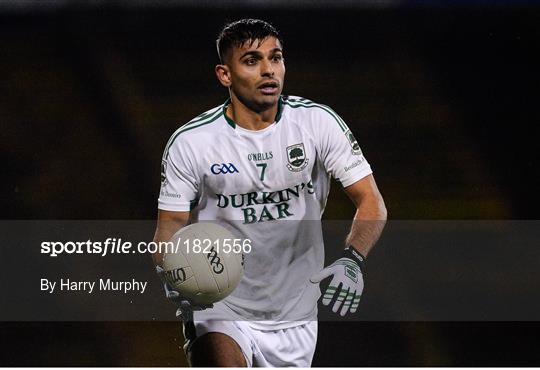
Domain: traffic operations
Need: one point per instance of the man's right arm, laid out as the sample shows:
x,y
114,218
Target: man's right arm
x,y
168,223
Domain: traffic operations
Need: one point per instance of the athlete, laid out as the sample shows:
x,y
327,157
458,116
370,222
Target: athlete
x,y
261,164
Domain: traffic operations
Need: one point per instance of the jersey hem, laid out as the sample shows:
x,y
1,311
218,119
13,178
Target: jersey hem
x,y
277,325
185,207
357,177
223,312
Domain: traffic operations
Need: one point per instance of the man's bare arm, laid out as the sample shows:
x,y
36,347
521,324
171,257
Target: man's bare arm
x,y
370,216
168,223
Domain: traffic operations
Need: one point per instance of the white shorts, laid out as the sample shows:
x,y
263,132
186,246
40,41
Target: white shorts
x,y
289,347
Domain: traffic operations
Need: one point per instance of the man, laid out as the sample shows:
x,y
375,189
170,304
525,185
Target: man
x,y
261,164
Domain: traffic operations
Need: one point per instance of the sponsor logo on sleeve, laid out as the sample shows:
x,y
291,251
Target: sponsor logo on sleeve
x,y
353,165
165,193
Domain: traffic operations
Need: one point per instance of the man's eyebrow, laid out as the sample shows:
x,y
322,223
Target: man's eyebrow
x,y
251,52
257,53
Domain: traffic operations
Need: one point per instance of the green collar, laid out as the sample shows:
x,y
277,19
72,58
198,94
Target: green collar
x,y
233,124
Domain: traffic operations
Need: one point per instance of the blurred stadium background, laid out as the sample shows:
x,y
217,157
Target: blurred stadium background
x,y
442,98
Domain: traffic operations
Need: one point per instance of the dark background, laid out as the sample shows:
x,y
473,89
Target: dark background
x,y
442,100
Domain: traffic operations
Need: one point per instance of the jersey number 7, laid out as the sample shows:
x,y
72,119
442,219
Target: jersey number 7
x,y
263,169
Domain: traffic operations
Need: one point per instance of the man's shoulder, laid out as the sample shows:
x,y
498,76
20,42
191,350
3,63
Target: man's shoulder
x,y
302,106
200,126
297,101
201,122
307,111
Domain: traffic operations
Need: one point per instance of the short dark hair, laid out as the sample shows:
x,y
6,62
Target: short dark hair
x,y
235,34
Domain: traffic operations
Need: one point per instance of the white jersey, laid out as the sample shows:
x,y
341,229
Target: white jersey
x,y
269,186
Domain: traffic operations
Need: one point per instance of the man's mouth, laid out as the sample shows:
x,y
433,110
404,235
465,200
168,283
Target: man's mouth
x,y
269,88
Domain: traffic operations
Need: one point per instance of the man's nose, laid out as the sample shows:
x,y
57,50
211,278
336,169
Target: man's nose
x,y
266,68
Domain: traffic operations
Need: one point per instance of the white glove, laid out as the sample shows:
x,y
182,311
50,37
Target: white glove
x,y
347,272
185,306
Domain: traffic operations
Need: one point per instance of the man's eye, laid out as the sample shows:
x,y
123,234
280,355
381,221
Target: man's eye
x,y
278,58
250,61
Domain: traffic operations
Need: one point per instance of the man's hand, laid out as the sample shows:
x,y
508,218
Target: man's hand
x,y
185,306
347,272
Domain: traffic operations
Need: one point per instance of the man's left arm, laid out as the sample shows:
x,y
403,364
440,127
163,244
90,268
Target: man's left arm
x,y
347,284
370,216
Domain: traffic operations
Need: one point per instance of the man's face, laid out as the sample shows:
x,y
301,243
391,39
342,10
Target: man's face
x,y
257,73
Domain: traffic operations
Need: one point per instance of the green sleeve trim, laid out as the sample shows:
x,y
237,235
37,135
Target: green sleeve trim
x,y
199,118
191,125
337,118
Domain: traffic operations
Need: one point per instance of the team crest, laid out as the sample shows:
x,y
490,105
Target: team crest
x,y
296,157
354,144
163,173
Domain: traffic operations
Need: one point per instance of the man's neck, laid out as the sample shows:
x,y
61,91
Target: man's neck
x,y
249,119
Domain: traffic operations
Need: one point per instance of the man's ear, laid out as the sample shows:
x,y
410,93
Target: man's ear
x,y
223,74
